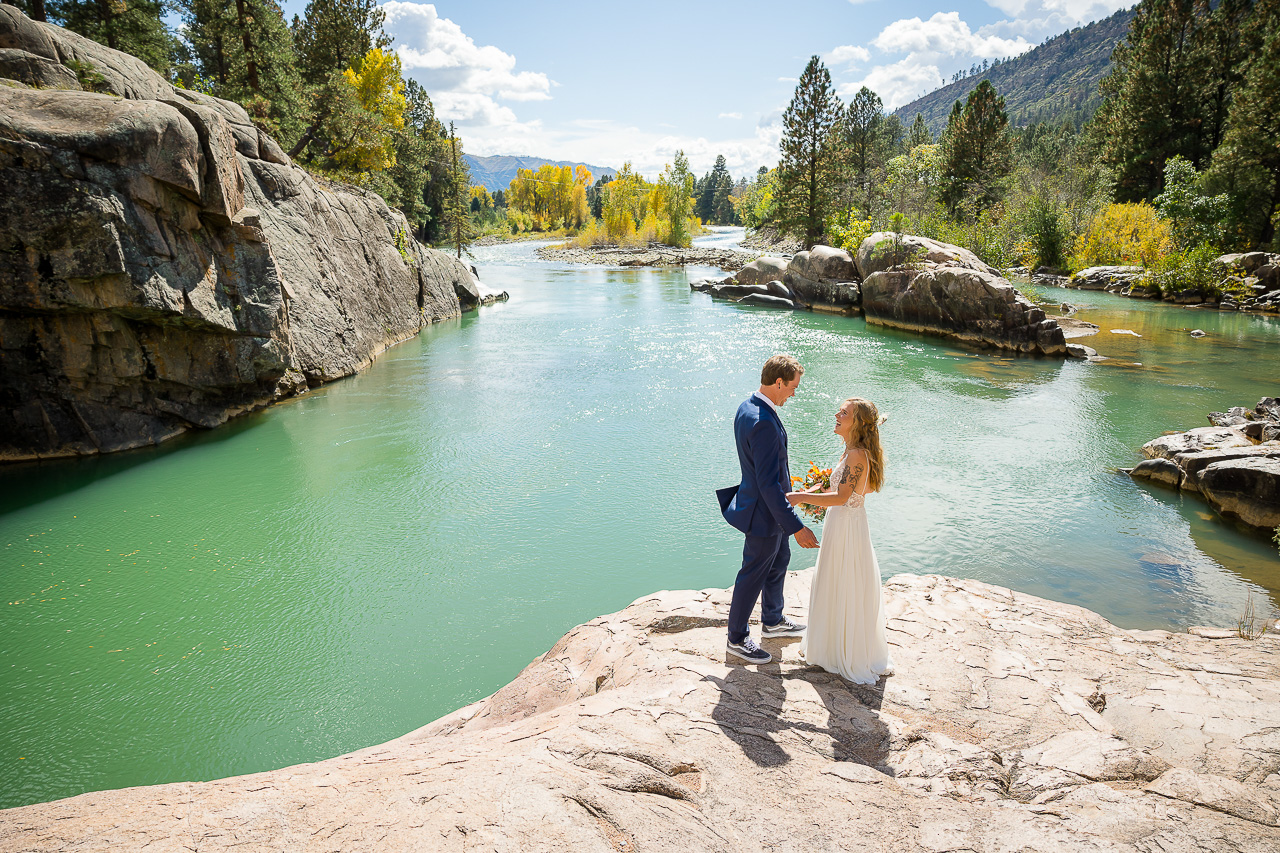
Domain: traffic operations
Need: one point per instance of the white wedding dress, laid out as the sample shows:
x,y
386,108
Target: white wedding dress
x,y
846,608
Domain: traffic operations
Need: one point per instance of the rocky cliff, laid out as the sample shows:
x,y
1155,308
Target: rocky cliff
x,y
1012,723
163,265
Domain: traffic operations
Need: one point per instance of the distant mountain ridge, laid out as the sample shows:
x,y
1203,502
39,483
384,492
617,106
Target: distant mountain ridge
x,y
1055,82
497,172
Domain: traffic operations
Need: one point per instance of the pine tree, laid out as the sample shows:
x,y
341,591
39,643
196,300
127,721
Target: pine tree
x,y
1250,152
136,27
245,51
1154,100
919,134
332,35
860,131
807,168
976,150
459,230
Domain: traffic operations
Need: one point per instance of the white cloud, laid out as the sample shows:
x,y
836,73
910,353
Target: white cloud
x,y
898,83
465,80
944,35
847,54
788,79
730,115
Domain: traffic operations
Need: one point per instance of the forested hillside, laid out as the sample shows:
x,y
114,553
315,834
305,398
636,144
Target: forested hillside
x,y
497,172
1055,82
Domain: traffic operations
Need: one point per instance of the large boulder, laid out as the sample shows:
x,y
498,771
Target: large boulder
x,y
1247,488
965,304
761,271
1194,441
884,250
1106,278
824,278
164,266
824,263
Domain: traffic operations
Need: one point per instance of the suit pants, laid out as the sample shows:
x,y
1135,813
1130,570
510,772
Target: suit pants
x,y
763,572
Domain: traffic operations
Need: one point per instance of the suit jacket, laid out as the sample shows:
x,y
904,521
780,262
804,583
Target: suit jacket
x,y
758,505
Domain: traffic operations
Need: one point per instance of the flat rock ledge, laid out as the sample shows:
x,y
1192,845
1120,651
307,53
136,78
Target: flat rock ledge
x,y
1234,464
1013,723
652,256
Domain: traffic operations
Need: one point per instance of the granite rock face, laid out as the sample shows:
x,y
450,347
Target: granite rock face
x,y
164,266
964,304
1234,464
884,250
1012,723
825,279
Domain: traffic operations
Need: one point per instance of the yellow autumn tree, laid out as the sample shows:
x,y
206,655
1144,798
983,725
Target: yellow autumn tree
x,y
377,85
553,197
1123,234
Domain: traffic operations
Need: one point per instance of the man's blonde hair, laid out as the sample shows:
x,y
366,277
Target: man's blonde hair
x,y
784,367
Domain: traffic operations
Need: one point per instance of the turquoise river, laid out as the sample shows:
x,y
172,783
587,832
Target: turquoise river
x,y
345,567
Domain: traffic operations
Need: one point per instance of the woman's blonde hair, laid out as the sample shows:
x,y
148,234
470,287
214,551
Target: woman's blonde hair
x,y
866,435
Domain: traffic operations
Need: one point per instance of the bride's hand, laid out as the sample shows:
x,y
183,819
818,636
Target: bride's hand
x,y
796,498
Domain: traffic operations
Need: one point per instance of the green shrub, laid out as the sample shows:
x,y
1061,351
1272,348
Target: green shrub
x,y
1193,269
847,231
1046,233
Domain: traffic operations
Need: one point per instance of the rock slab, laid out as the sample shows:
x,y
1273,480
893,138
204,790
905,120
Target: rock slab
x,y
1012,723
1233,464
163,265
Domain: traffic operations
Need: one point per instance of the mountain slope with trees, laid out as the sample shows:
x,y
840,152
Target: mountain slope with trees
x,y
1052,83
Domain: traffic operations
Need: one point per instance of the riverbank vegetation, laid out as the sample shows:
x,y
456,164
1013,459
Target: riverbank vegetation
x,y
326,87
1178,166
623,210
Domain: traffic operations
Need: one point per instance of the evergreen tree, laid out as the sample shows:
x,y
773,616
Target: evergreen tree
x,y
860,132
1249,158
919,134
459,231
976,150
135,27
893,138
1154,99
332,35
244,53
808,163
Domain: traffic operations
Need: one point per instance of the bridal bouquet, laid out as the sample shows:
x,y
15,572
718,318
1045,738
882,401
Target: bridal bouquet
x,y
815,476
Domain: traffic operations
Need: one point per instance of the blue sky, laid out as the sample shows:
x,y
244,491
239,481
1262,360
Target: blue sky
x,y
603,83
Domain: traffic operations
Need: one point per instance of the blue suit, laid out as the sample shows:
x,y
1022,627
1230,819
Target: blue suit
x,y
758,507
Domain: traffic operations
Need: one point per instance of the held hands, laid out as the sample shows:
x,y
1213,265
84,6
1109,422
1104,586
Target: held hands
x,y
805,538
796,498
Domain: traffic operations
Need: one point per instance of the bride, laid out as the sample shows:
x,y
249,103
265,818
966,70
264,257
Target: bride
x,y
846,614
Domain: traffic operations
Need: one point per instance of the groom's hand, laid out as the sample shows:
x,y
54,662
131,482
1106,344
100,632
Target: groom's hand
x,y
806,539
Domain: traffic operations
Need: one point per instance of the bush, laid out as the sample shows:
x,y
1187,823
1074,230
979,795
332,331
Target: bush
x,y
1197,217
1046,234
846,231
1123,234
1194,269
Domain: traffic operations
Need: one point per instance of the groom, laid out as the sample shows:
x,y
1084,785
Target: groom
x,y
759,508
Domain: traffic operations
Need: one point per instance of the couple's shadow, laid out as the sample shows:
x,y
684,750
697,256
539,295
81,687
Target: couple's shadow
x,y
750,711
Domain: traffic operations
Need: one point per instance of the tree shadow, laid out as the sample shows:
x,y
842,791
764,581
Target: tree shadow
x,y
749,711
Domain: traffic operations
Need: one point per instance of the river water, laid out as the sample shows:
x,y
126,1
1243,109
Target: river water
x,y
345,567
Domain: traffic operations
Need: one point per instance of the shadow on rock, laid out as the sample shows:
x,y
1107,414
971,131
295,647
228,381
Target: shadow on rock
x,y
752,712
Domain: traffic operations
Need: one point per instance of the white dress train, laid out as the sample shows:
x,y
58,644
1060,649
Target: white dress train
x,y
846,608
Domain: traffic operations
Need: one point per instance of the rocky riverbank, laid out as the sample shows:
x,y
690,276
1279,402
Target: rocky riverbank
x,y
1234,464
1011,723
904,282
1248,281
163,264
653,255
